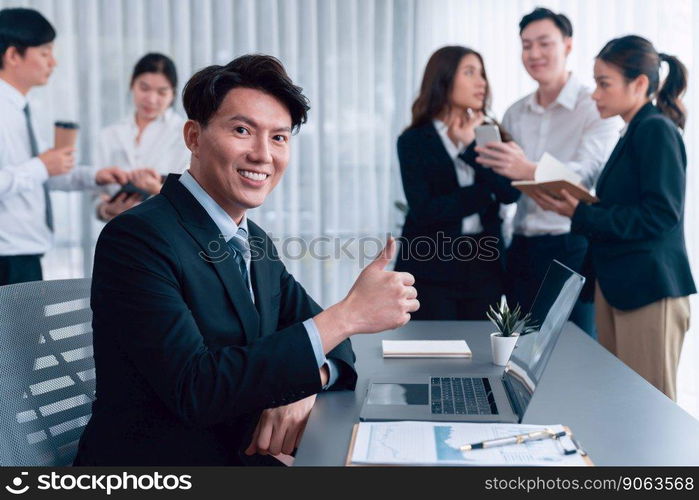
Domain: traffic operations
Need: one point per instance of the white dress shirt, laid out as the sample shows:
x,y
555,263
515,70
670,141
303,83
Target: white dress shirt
x,y
465,175
160,147
572,131
23,229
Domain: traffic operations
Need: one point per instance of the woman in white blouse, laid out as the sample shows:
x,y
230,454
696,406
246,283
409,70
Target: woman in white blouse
x,y
148,142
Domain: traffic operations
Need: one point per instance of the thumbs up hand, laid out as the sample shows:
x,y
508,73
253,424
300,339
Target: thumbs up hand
x,y
381,300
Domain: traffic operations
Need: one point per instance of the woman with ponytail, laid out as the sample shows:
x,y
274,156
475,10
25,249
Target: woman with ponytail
x,y
637,252
452,241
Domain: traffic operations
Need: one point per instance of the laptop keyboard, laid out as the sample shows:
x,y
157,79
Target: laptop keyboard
x,y
461,396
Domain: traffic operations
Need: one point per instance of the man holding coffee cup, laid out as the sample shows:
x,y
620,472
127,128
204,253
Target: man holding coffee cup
x,y
27,170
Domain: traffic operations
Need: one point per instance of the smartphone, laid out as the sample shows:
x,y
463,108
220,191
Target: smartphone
x,y
487,133
131,190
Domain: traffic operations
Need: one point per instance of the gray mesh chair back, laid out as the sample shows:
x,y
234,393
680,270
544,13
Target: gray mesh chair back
x,y
47,373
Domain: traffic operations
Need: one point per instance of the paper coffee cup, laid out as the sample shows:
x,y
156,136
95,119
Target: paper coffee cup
x,y
65,134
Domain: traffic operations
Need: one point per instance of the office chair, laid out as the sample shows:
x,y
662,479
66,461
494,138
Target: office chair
x,y
47,373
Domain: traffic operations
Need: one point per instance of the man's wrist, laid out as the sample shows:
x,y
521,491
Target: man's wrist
x,y
49,173
346,321
100,178
324,375
334,325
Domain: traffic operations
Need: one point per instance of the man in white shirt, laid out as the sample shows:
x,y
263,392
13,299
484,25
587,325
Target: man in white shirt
x,y
26,175
561,119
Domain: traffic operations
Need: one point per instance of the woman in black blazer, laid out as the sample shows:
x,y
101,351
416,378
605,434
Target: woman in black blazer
x,y
637,251
451,239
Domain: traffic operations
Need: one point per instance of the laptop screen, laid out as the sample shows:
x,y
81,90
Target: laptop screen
x,y
553,304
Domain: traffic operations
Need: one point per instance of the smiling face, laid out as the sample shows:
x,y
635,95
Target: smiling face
x,y
241,154
544,51
470,85
614,95
152,95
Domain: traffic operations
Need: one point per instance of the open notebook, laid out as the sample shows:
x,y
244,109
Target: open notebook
x,y
551,176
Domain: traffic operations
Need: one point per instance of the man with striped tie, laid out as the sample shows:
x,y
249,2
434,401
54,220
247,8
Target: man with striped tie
x,y
207,351
27,169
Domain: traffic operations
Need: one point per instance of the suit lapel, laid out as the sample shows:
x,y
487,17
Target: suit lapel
x,y
640,115
215,251
610,162
441,164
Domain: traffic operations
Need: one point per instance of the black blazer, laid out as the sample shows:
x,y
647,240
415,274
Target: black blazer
x,y
437,204
185,361
636,231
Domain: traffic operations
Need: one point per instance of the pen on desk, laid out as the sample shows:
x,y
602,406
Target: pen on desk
x,y
518,439
579,448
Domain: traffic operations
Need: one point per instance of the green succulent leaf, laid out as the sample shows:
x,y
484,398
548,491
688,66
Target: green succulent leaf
x,y
509,321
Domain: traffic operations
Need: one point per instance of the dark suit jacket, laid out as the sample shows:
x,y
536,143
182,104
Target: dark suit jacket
x,y
636,231
185,361
437,204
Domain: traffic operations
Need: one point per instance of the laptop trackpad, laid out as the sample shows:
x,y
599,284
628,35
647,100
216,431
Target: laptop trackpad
x,y
398,394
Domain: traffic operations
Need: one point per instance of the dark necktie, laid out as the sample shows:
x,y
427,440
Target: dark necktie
x,y
241,253
35,152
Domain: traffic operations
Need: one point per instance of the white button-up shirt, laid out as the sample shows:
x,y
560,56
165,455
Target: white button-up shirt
x,y
465,175
572,131
160,147
23,229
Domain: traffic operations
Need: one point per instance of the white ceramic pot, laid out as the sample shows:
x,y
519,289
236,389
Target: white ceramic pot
x,y
502,347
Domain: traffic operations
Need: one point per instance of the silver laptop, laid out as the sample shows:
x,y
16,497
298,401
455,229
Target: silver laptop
x,y
470,397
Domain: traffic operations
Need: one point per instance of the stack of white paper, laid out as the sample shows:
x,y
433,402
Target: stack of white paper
x,y
425,349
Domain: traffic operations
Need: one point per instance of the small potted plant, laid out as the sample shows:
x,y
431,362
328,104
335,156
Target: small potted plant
x,y
511,323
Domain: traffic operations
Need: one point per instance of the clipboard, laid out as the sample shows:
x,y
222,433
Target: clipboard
x,y
348,460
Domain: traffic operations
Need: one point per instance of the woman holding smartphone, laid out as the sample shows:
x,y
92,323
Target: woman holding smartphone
x,y
451,239
148,142
637,250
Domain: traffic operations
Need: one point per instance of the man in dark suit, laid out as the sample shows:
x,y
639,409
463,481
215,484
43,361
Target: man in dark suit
x,y
207,351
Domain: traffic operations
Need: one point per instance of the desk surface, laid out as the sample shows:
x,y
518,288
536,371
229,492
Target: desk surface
x,y
617,416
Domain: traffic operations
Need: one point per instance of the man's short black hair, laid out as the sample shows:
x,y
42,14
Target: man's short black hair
x,y
205,91
23,28
560,20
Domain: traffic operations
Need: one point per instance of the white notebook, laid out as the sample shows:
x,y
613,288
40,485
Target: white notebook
x,y
425,349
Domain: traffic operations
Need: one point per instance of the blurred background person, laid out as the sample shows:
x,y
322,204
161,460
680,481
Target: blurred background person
x,y
637,250
30,168
451,241
559,118
148,142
